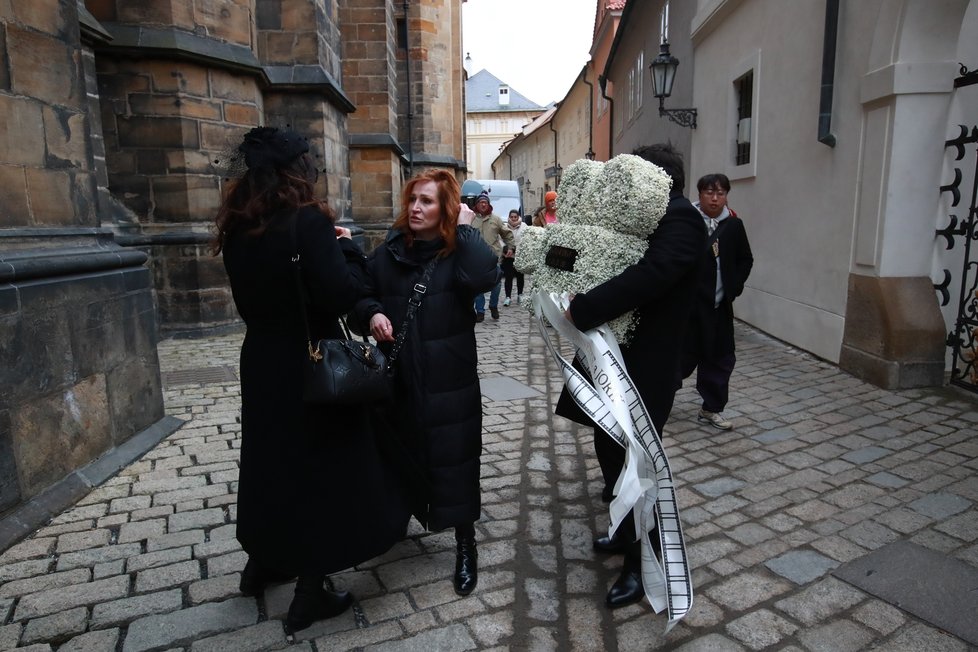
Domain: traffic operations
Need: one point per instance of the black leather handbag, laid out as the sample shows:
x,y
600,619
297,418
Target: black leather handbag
x,y
350,371
345,372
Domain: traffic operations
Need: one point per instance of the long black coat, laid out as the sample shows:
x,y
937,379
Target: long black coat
x,y
662,287
297,511
438,403
712,332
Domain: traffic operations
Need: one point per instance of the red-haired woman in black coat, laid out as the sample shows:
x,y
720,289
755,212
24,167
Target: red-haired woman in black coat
x,y
298,462
439,403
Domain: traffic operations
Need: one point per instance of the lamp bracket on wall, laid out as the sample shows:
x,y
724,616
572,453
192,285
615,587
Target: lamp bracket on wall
x,y
682,117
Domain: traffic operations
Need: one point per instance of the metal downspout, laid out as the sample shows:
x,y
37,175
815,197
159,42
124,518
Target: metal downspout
x,y
551,125
825,135
410,98
590,111
603,83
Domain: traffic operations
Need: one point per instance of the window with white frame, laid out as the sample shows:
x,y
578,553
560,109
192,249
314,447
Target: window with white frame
x,y
744,90
637,91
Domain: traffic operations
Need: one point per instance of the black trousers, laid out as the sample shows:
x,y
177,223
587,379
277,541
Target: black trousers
x,y
611,460
713,358
509,273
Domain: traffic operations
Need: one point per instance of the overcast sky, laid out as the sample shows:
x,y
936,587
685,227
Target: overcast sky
x,y
538,47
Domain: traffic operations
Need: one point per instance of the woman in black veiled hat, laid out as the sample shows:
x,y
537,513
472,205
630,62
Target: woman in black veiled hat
x,y
312,496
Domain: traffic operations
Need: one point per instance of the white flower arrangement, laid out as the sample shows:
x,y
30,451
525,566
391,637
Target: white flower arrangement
x,y
532,250
606,211
577,201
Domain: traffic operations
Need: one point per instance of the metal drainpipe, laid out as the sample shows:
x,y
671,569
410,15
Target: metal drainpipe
x,y
825,135
590,111
510,163
551,125
410,98
603,83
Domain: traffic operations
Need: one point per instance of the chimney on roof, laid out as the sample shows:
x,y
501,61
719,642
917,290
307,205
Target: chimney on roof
x,y
503,95
467,64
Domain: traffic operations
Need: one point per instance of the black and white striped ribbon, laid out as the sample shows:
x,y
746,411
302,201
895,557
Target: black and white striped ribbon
x,y
645,484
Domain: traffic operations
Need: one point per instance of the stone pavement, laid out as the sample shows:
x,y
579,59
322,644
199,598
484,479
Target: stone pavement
x,y
821,469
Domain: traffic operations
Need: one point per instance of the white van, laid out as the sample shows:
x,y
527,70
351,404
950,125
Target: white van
x,y
504,196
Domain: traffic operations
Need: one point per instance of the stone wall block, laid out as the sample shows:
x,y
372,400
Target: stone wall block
x,y
216,306
185,198
98,335
268,14
217,137
228,86
57,433
102,9
285,48
210,270
151,161
48,16
363,15
142,12
13,196
227,21
242,114
372,32
194,162
44,68
143,131
169,106
21,131
298,16
114,85
135,393
132,189
66,136
51,196
178,308
167,77
9,479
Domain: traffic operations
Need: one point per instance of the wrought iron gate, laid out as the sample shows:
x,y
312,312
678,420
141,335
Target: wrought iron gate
x,y
963,340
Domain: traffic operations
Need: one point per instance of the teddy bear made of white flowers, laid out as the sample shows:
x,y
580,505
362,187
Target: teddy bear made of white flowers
x,y
607,211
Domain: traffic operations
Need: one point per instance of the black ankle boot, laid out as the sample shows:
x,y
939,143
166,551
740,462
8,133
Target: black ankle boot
x,y
613,545
466,565
313,602
254,578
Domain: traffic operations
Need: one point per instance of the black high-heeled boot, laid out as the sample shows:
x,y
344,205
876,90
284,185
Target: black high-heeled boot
x,y
254,578
313,602
466,565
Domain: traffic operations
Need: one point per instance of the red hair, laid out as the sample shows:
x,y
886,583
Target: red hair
x,y
449,196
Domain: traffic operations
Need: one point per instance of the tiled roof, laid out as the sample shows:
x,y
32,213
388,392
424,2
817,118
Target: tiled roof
x,y
482,94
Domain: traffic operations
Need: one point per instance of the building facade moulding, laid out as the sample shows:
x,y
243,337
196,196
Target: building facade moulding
x,y
169,42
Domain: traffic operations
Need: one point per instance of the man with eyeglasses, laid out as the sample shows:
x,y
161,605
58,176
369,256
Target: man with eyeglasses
x,y
709,348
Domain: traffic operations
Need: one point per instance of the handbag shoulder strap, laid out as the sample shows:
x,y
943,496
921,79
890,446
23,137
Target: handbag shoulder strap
x,y
414,303
297,273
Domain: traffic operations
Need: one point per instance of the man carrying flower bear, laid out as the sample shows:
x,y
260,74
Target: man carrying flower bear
x,y
646,304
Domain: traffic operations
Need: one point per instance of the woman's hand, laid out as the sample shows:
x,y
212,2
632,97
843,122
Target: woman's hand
x,y
465,215
342,232
381,329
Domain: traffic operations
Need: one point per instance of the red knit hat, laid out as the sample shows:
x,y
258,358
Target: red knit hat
x,y
551,195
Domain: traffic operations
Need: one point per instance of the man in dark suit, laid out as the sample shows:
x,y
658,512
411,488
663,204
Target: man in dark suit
x,y
710,347
661,286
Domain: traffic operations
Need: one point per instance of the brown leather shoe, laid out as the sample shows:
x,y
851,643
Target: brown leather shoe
x,y
480,316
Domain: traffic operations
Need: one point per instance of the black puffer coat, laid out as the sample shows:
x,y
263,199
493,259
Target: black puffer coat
x,y
438,405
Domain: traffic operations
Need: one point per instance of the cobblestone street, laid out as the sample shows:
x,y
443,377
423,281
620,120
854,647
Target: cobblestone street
x,y
820,470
